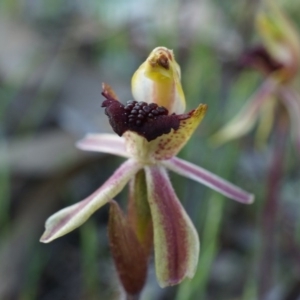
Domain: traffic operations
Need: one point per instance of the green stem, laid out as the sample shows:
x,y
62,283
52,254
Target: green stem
x,y
5,191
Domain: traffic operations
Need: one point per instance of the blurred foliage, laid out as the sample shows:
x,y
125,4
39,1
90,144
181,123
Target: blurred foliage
x,y
53,57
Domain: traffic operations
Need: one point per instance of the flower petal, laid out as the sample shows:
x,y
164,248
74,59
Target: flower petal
x,y
129,255
266,121
209,179
166,145
244,121
157,80
107,143
176,242
75,215
139,213
259,58
280,38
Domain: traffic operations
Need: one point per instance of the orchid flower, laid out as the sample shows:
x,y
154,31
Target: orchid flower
x,y
278,59
151,130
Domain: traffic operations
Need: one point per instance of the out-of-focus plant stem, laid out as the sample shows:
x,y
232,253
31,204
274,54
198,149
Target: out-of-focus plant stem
x,y
89,248
5,195
269,213
132,297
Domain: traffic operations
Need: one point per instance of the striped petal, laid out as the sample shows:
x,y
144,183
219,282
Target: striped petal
x,y
209,179
245,120
129,255
75,215
106,143
176,242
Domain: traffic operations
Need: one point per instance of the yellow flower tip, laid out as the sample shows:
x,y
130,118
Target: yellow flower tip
x,y
200,111
279,37
161,63
157,80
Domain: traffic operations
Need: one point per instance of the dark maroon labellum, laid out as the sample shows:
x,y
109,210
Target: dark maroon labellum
x,y
259,58
149,121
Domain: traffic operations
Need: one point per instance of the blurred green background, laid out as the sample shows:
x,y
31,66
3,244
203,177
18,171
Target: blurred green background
x,y
53,57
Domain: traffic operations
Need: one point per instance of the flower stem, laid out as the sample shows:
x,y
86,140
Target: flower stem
x,y
269,213
132,297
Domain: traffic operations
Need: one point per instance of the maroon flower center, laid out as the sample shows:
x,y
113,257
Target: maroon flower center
x,y
139,112
148,120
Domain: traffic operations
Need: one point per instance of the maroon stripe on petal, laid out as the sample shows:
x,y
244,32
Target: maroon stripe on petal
x,y
209,179
128,254
75,215
176,243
